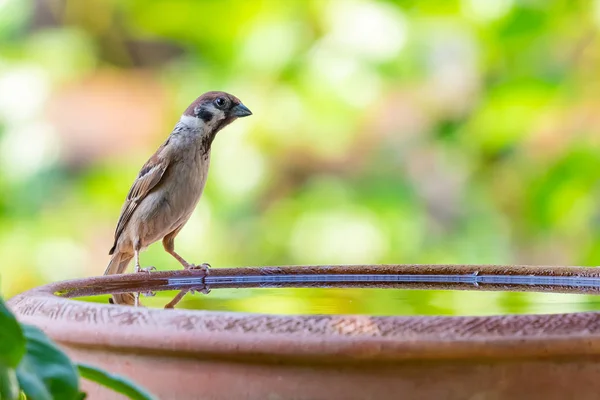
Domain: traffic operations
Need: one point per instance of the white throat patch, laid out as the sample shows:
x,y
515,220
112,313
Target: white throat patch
x,y
192,122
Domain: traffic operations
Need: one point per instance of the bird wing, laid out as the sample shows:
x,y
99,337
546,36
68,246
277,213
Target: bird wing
x,y
148,177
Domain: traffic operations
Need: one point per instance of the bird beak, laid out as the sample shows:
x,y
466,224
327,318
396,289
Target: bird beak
x,y
240,110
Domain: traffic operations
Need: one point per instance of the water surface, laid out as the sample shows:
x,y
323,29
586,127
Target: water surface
x,y
372,294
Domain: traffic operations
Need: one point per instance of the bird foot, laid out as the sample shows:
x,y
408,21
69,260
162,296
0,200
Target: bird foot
x,y
205,267
138,269
204,290
179,296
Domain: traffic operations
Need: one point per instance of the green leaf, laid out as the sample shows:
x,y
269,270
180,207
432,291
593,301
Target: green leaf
x,y
9,387
45,372
12,341
115,382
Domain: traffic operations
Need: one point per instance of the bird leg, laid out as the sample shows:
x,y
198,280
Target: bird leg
x,y
176,299
137,264
179,296
169,245
204,266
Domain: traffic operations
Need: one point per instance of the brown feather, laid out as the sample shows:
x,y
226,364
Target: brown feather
x,y
207,98
118,263
148,177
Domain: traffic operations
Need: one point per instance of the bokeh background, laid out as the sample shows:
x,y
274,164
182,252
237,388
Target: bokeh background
x,y
454,131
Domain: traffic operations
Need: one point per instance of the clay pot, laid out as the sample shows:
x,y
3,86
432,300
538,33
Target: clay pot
x,y
190,354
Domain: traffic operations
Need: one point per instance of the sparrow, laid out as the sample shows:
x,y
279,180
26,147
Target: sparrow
x,y
170,184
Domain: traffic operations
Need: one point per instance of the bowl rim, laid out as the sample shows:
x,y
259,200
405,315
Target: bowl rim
x,y
342,338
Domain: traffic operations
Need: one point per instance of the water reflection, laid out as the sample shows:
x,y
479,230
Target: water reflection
x,y
472,293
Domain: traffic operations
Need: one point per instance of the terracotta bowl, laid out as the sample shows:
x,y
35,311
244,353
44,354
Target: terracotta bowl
x,y
191,354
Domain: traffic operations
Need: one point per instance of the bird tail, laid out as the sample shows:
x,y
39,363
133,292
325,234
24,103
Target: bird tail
x,y
127,299
117,265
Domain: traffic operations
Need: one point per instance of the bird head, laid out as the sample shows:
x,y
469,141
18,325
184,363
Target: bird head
x,y
215,110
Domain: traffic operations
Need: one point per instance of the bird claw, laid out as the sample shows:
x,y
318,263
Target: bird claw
x,y
204,290
205,267
146,269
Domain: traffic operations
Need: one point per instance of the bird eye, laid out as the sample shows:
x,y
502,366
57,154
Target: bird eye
x,y
220,102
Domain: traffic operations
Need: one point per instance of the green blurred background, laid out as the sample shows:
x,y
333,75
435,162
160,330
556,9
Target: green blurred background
x,y
383,131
